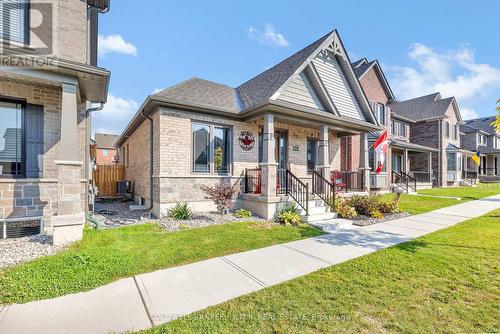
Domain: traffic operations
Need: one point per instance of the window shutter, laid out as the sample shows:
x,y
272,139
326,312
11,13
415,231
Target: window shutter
x,y
14,20
34,141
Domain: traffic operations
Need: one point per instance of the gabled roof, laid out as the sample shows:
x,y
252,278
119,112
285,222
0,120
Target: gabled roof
x,y
262,87
105,140
424,107
480,124
362,66
202,92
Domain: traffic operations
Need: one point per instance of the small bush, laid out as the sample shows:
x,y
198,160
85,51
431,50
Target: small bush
x,y
389,207
221,194
343,209
377,214
365,205
289,216
242,213
180,211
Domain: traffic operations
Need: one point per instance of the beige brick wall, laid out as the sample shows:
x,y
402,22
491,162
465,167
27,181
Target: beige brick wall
x,y
39,197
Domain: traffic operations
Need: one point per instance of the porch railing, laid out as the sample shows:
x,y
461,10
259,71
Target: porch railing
x,y
469,176
348,180
281,185
324,189
297,189
253,181
421,177
411,181
400,180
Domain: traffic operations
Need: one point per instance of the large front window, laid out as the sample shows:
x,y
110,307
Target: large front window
x,y
11,134
211,149
14,21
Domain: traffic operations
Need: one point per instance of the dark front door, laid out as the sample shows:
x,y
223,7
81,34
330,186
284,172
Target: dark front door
x,y
484,165
311,154
496,165
280,150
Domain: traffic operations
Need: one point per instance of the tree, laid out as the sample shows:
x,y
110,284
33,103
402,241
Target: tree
x,y
496,122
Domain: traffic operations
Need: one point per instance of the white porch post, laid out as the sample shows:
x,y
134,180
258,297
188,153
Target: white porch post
x,y
68,224
406,165
364,166
323,147
269,166
430,166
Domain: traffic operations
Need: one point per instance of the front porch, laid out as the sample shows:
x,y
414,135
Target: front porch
x,y
300,162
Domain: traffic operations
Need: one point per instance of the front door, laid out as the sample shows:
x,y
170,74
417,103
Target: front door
x,y
397,162
280,150
496,165
483,163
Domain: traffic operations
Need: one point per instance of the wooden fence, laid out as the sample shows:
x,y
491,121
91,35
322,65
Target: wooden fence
x,y
105,177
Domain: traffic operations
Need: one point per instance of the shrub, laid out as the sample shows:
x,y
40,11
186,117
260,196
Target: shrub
x,y
365,205
221,194
289,216
389,207
242,213
180,211
377,214
343,209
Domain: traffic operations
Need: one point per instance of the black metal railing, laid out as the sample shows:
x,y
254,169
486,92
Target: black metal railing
x,y
253,181
281,185
400,180
412,182
469,176
297,189
324,189
421,177
348,180
488,171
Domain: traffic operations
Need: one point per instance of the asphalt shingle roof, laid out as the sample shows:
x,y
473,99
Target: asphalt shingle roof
x,y
105,140
203,92
361,69
483,124
423,107
358,62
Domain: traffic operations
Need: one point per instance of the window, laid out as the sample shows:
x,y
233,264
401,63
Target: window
x,y
454,132
105,152
398,128
311,155
380,113
452,162
446,126
11,134
14,21
211,146
482,139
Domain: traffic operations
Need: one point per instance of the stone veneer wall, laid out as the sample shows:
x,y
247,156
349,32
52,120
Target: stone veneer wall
x,y
39,197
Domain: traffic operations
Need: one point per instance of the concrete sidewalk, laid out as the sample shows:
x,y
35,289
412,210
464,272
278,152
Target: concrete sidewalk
x,y
151,299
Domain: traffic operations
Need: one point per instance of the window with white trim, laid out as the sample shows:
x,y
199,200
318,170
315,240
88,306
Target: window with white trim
x,y
481,139
446,127
380,113
211,148
398,128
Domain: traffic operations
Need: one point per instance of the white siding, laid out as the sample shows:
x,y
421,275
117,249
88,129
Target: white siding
x,y
337,86
300,91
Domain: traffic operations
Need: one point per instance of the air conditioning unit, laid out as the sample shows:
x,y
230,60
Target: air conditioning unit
x,y
124,188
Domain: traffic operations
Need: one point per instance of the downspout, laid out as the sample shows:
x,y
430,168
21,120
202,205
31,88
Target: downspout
x,y
87,156
150,159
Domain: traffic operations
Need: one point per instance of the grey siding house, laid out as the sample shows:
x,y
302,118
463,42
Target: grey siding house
x,y
270,136
479,135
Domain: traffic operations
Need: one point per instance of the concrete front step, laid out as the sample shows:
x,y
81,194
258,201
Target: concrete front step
x,y
318,217
314,210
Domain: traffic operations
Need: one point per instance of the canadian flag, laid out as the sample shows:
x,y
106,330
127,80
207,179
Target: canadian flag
x,y
380,147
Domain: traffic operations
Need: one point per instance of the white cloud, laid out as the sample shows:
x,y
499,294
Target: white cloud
x,y
268,37
452,72
115,44
468,113
115,116
157,90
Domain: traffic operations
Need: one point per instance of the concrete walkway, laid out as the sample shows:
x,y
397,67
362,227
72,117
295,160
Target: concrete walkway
x,y
151,299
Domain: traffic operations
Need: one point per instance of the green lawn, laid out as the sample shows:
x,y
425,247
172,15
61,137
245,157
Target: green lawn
x,y
105,256
444,282
420,204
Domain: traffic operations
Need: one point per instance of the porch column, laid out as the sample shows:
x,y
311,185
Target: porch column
x,y
364,166
269,166
430,167
323,147
68,224
406,165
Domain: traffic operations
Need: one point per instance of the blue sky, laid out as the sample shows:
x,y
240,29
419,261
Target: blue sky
x,y
423,46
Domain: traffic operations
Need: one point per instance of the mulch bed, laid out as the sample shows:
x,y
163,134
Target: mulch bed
x,y
203,219
365,221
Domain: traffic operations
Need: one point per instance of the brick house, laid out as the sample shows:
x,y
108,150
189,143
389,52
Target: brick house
x,y
44,107
434,122
103,150
479,135
400,162
281,127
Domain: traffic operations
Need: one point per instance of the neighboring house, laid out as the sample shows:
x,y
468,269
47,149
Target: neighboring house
x,y
288,119
103,150
44,108
434,122
480,135
403,153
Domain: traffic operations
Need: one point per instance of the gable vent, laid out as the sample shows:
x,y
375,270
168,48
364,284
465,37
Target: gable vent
x,y
19,229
